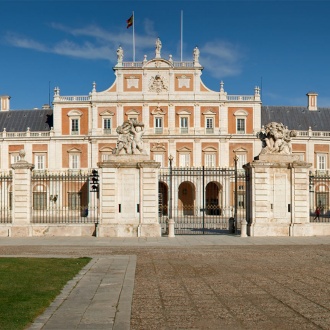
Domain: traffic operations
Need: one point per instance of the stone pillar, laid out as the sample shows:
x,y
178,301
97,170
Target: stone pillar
x,y
279,196
129,197
22,197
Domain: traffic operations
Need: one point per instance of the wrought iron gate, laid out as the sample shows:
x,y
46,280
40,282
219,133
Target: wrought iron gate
x,y
63,198
319,203
202,200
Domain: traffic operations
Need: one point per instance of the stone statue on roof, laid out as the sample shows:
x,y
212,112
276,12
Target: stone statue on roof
x,y
120,55
158,47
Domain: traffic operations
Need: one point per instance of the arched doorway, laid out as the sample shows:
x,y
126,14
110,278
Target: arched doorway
x,y
213,198
187,196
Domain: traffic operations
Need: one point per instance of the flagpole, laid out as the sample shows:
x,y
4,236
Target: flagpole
x,y
181,32
133,37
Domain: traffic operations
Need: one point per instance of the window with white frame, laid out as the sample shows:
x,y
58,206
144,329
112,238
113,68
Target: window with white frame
x,y
209,160
74,126
39,162
14,157
209,124
106,125
240,125
106,157
241,200
184,125
159,158
241,161
74,161
184,159
321,162
158,125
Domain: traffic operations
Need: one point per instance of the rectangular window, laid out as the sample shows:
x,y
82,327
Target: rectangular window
x,y
106,157
74,126
241,161
15,158
184,125
158,125
39,162
39,200
240,126
184,160
240,201
209,126
107,126
74,161
321,162
160,159
74,200
209,160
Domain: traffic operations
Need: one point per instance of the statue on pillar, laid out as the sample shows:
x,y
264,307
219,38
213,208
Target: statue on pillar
x,y
276,139
130,138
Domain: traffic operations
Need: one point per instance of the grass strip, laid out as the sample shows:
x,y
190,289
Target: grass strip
x,y
29,285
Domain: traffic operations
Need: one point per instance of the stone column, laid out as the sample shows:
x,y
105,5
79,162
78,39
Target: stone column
x,y
22,197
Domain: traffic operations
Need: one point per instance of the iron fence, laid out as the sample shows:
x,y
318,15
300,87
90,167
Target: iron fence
x,y
319,187
63,198
202,200
5,198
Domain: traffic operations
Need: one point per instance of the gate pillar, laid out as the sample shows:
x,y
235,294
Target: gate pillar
x,y
129,197
279,186
22,199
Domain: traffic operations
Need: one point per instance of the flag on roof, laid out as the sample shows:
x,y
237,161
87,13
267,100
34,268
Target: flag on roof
x,y
130,21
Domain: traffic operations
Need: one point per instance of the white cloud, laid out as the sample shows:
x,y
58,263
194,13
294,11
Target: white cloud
x,y
24,42
221,59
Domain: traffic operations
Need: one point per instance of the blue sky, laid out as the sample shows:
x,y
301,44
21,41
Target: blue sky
x,y
283,46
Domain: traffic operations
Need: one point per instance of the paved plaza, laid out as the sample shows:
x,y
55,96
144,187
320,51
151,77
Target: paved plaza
x,y
188,282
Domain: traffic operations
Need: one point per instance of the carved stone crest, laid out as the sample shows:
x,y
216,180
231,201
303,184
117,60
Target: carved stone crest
x,y
276,139
157,84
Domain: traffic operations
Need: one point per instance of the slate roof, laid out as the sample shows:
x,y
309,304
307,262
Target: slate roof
x,y
20,120
298,118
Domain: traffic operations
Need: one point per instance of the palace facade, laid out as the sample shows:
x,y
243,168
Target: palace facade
x,y
182,117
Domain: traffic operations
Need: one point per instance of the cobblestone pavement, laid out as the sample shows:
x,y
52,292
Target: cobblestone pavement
x,y
220,287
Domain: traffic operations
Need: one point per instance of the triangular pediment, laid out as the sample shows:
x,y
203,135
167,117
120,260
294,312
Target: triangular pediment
x,y
184,149
107,113
183,113
209,113
74,150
